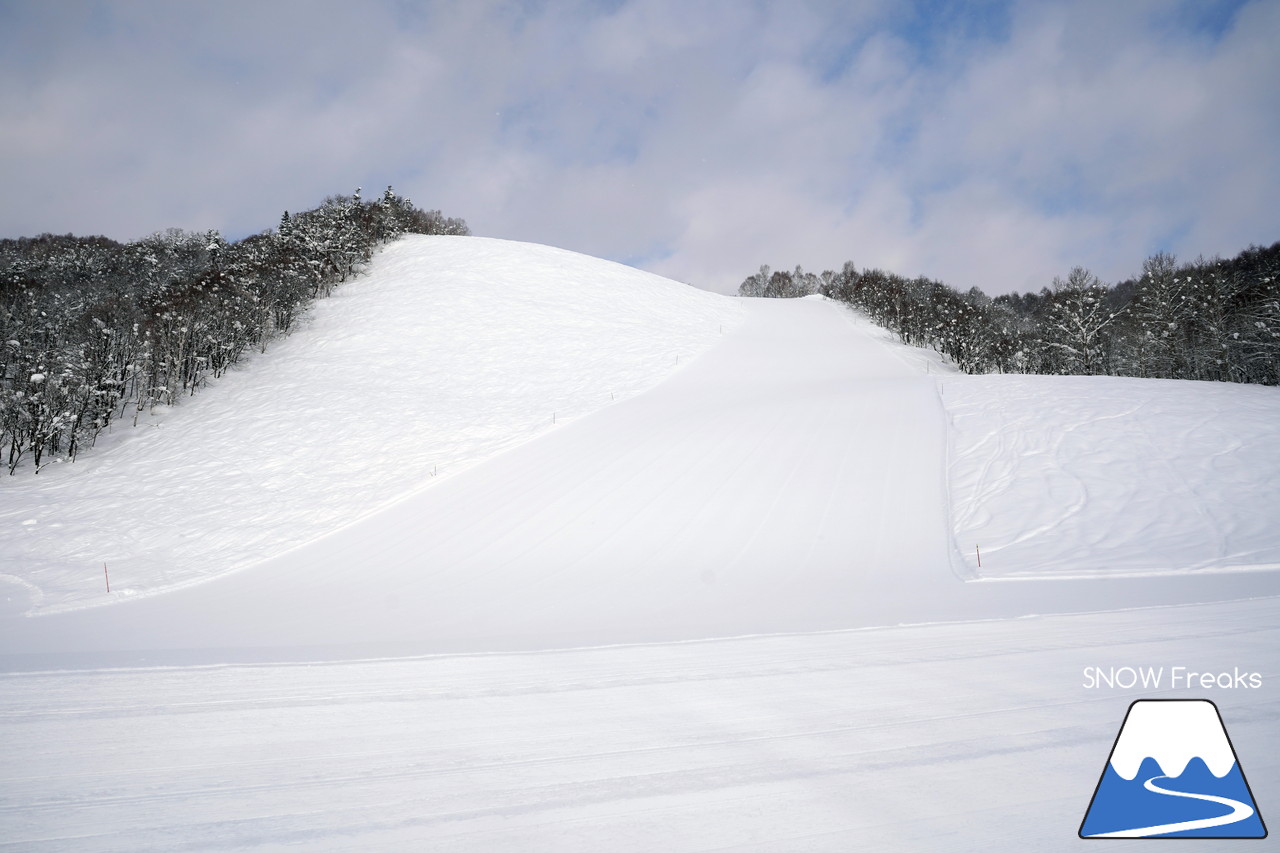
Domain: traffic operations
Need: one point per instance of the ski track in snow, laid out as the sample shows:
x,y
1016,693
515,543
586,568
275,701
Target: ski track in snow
x,y
1073,476
391,685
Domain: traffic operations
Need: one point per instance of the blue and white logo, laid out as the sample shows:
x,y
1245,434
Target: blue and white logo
x,y
1172,773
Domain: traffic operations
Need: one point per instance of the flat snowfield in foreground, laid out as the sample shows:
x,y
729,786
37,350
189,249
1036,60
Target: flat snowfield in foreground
x,y
970,737
603,562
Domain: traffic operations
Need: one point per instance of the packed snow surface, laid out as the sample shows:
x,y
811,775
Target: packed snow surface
x,y
449,351
960,737
790,478
561,556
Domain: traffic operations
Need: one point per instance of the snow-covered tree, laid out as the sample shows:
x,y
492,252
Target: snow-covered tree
x,y
755,285
1161,318
1076,325
90,328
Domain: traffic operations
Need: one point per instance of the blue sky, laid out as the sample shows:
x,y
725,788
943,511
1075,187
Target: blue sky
x,y
986,144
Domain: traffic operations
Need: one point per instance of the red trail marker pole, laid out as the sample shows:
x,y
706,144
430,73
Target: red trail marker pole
x,y
107,576
979,553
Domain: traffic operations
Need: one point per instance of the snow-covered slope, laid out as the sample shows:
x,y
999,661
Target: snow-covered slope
x,y
450,350
791,478
788,477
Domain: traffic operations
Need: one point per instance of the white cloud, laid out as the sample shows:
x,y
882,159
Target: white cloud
x,y
702,139
1110,140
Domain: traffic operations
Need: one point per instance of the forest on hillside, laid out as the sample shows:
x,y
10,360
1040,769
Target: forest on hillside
x,y
93,331
1216,320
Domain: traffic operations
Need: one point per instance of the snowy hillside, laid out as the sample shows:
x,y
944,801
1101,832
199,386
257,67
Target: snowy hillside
x,y
577,557
451,350
787,449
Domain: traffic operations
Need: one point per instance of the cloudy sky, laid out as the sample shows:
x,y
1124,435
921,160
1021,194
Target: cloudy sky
x,y
988,144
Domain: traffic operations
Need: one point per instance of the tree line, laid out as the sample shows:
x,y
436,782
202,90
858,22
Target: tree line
x,y
1216,320
93,331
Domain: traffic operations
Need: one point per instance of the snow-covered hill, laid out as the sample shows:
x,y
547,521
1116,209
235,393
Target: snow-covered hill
x,y
514,450
786,471
451,350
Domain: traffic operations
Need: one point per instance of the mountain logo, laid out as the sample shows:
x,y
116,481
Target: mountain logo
x,y
1172,773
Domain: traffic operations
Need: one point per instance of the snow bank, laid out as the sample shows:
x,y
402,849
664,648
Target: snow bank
x,y
449,351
